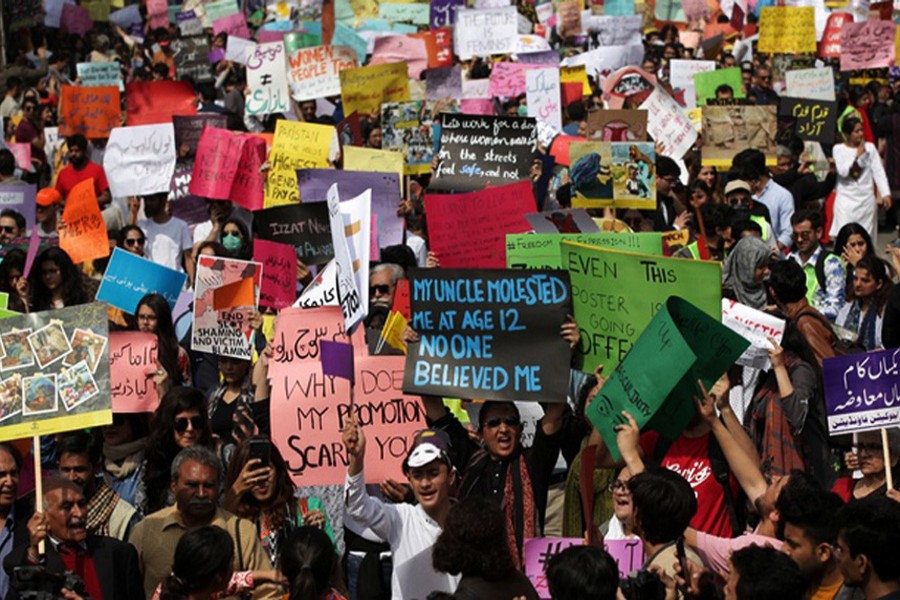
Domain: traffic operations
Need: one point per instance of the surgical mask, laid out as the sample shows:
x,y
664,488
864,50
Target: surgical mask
x,y
231,241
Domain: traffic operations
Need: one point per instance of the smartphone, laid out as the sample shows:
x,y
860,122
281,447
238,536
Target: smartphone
x,y
682,559
260,449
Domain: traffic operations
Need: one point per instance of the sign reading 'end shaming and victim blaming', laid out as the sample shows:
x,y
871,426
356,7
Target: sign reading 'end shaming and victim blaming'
x,y
489,334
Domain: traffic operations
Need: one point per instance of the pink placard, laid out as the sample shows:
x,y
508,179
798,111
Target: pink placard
x,y
132,363
469,230
508,79
297,335
867,45
75,19
477,106
401,48
279,281
247,188
232,25
22,152
218,160
628,554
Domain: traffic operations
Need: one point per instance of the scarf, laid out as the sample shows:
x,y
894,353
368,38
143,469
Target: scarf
x,y
518,499
739,272
770,429
124,459
100,509
863,325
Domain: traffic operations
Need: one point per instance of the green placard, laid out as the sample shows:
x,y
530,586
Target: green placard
x,y
705,84
541,250
616,294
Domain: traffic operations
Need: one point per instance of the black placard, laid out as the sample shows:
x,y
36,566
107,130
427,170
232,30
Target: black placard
x,y
491,334
813,120
306,227
188,129
481,150
191,56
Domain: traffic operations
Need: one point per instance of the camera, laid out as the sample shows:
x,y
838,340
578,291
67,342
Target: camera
x,y
642,585
37,583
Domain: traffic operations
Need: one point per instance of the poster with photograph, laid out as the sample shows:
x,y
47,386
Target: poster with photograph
x,y
227,294
729,129
49,344
613,174
18,351
409,127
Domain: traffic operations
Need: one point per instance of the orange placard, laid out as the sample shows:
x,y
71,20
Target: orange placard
x,y
152,102
84,237
239,293
90,111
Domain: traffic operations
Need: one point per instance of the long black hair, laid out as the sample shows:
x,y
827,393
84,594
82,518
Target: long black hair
x,y
167,339
73,290
309,562
202,554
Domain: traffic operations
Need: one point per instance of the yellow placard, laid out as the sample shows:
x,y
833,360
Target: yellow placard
x,y
370,159
787,30
364,89
576,74
296,145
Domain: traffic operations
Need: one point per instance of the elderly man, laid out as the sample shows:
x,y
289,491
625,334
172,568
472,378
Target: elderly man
x,y
14,514
196,475
107,567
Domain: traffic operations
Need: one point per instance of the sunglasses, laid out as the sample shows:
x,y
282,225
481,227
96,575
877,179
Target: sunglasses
x,y
232,234
494,422
379,289
8,228
134,242
802,235
181,424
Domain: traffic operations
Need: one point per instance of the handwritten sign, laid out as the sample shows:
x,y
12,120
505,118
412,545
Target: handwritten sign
x,y
756,327
296,146
787,30
542,90
483,32
55,375
279,279
316,72
466,230
189,128
267,80
830,45
628,554
233,25
669,125
236,49
814,120
542,250
630,289
491,334
130,277
365,89
140,160
132,360
225,332
480,150
191,56
84,237
100,74
812,84
90,111
373,160
443,12
227,167
305,227
867,45
861,391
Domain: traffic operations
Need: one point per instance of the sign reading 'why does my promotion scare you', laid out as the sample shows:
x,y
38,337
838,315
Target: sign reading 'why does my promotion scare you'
x,y
491,334
862,391
616,294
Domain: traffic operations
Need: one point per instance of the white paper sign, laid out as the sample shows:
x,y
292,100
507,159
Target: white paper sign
x,y
542,92
94,74
756,327
668,124
356,214
140,159
483,32
615,30
350,299
812,84
316,72
236,49
605,61
681,76
267,79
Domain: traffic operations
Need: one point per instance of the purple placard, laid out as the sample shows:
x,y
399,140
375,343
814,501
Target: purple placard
x,y
20,198
215,56
232,25
628,554
75,19
862,391
337,359
314,184
443,13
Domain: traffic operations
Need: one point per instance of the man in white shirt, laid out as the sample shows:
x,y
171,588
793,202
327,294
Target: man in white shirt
x,y
410,530
168,238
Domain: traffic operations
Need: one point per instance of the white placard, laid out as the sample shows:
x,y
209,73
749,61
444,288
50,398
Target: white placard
x,y
483,32
756,327
316,72
267,79
542,92
811,84
681,76
669,125
140,159
615,30
236,49
602,62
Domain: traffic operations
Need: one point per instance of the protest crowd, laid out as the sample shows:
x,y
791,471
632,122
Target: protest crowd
x,y
368,300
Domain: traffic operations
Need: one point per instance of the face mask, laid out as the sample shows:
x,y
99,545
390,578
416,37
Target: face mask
x,y
523,111
231,242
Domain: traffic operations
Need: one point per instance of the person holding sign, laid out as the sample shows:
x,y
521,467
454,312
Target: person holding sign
x,y
870,454
410,530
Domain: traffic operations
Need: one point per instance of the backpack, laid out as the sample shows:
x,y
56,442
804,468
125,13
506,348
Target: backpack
x,y
845,341
820,267
737,513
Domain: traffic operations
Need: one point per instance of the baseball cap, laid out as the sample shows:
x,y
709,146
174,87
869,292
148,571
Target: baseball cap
x,y
428,445
48,197
736,185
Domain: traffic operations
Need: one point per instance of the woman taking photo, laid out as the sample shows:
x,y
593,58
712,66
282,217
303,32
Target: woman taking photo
x,y
867,296
264,494
859,170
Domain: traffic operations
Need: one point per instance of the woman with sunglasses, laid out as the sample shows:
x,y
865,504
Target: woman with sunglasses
x,y
124,444
180,422
153,315
870,454
132,239
235,239
265,495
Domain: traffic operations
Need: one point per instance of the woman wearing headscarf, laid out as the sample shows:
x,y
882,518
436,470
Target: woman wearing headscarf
x,y
746,268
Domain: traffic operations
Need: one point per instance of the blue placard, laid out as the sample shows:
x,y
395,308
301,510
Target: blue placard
x,y
862,391
130,277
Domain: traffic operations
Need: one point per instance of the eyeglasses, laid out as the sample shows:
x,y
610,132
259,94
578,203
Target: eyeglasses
x,y
379,289
802,235
181,424
134,242
8,228
618,484
147,318
494,422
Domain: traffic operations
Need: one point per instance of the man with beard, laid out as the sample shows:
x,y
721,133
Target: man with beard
x,y
168,238
80,169
107,567
196,474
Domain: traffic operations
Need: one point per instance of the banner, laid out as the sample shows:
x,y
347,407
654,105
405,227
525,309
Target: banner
x,y
305,227
813,120
189,128
316,72
267,80
862,391
679,346
628,554
483,32
228,167
296,146
152,102
489,334
787,30
55,374
279,278
191,56
466,230
130,277
542,251
90,111
756,327
132,361
365,89
84,237
140,160
615,174
225,331
479,150
615,295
